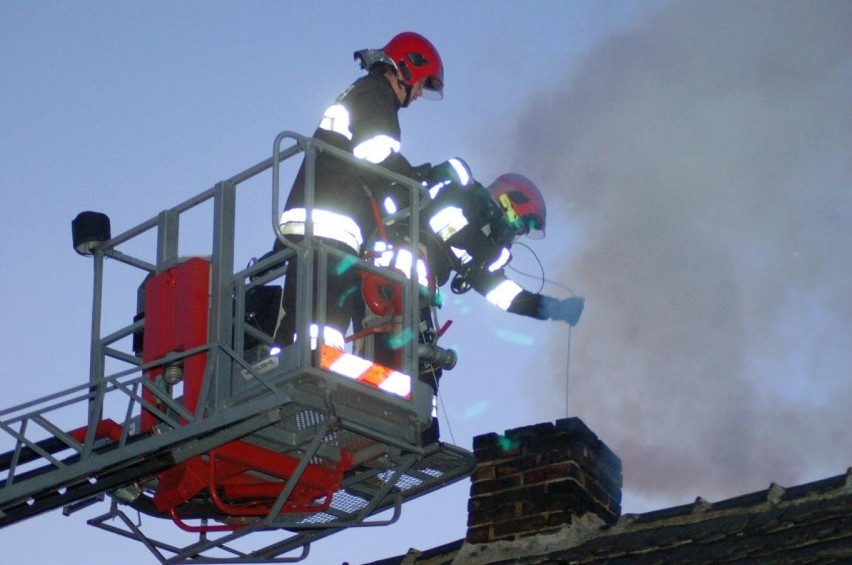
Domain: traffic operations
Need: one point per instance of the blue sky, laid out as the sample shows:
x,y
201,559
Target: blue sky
x,y
695,161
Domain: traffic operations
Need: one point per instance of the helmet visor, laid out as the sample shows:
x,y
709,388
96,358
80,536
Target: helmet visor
x,y
433,89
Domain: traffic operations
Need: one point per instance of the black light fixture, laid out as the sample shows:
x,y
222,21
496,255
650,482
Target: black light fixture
x,y
89,229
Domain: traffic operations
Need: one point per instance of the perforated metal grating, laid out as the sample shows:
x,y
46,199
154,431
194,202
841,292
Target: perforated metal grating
x,y
298,418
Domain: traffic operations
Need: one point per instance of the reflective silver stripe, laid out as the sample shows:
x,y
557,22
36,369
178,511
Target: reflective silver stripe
x,y
500,262
400,259
504,294
461,254
331,336
336,119
383,254
376,149
435,189
460,170
330,225
403,263
390,205
447,222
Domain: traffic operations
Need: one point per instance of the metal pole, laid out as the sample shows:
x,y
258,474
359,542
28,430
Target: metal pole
x,y
220,332
96,360
306,278
168,231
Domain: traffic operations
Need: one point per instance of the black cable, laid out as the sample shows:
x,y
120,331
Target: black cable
x,y
544,280
434,313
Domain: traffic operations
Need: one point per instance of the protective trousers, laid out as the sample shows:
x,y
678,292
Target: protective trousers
x,y
342,286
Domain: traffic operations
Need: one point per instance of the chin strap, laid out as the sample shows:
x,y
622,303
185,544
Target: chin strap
x,y
408,88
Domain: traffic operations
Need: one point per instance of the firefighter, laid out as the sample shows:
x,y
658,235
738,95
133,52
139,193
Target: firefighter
x,y
467,231
362,121
473,228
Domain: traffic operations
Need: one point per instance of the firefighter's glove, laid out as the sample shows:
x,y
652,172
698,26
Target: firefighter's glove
x,y
565,310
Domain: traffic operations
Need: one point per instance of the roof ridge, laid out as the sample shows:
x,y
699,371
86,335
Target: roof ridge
x,y
763,500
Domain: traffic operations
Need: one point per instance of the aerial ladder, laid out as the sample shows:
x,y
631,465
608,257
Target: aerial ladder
x,y
189,416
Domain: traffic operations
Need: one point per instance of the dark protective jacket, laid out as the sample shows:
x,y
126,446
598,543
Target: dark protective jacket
x,y
363,121
465,232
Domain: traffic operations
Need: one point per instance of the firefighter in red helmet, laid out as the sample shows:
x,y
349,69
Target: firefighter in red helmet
x,y
417,63
472,230
362,121
467,231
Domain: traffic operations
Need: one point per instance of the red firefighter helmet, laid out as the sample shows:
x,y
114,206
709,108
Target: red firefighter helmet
x,y
522,202
416,58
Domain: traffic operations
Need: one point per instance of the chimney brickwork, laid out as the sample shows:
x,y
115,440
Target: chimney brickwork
x,y
534,479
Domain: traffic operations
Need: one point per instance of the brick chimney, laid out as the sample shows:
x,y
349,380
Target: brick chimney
x,y
535,479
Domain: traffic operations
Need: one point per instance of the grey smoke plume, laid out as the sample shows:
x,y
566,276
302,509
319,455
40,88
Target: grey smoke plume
x,y
705,157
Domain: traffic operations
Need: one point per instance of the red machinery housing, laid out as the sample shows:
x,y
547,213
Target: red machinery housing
x,y
237,479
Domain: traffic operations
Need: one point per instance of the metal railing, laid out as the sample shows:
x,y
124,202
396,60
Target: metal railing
x,y
44,465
